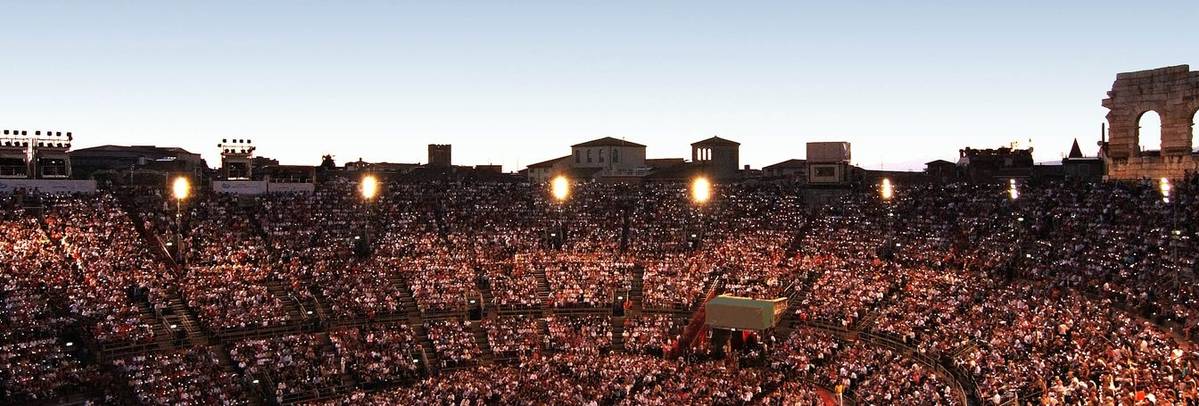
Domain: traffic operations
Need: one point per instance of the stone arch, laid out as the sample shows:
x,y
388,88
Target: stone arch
x,y
1172,93
1194,123
1148,125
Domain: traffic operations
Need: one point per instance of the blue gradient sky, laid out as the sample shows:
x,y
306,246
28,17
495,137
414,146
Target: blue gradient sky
x,y
517,82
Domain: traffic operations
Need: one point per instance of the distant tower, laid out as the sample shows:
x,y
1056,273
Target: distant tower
x,y
1075,151
237,156
719,156
439,155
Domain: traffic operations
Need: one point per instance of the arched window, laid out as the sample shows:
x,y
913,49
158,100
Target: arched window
x,y
1149,131
615,154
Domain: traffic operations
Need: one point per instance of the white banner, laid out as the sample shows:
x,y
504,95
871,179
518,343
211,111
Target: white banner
x,y
291,187
51,186
239,187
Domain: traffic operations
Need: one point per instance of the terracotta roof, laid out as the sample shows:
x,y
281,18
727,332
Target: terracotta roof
x,y
716,142
549,163
664,162
677,172
790,163
607,142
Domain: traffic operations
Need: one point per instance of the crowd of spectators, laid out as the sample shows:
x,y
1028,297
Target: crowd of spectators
x,y
229,266
290,365
454,342
590,334
514,336
117,269
441,287
707,383
1073,293
41,371
34,276
675,281
562,378
513,285
191,376
587,280
379,354
651,333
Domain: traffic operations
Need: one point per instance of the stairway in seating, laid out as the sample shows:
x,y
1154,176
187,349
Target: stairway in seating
x,y
543,288
327,351
637,290
696,328
162,335
320,303
255,394
414,320
154,244
428,356
787,322
866,323
178,314
289,302
618,333
484,287
476,328
407,300
543,328
963,349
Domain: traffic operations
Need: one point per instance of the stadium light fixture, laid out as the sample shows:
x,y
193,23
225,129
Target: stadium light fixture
x,y
886,190
1012,190
1163,185
369,187
701,190
181,188
560,188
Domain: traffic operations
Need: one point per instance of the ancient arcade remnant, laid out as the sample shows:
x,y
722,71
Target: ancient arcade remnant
x,y
1173,93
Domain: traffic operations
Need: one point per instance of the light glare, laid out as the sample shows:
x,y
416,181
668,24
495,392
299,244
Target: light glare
x,y
886,190
370,187
701,190
560,188
181,188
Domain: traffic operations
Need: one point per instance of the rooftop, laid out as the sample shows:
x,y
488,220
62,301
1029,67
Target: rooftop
x,y
716,142
608,142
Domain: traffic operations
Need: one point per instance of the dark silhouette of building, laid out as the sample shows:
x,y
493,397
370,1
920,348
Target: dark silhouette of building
x,y
119,158
1078,166
719,158
828,163
992,164
796,169
439,155
941,171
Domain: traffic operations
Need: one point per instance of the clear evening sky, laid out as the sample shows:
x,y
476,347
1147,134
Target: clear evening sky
x,y
518,82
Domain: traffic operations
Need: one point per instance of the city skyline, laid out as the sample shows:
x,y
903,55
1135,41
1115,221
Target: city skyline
x,y
518,84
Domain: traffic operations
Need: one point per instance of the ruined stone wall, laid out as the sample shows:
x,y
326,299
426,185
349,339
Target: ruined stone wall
x,y
1172,92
